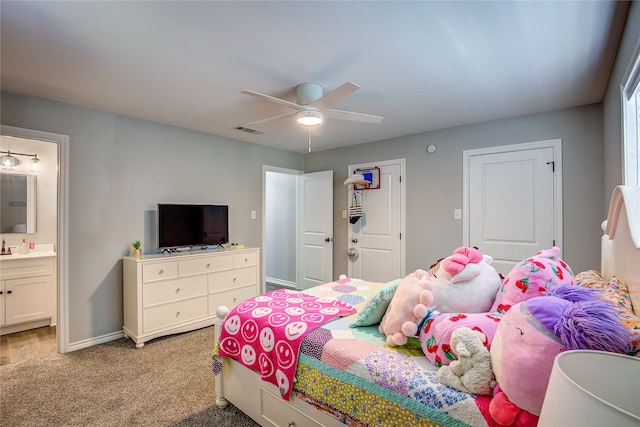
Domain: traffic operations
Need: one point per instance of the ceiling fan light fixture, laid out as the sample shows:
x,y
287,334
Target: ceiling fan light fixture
x,y
309,117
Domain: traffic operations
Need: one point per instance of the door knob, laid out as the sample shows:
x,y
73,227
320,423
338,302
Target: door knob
x,y
328,239
354,240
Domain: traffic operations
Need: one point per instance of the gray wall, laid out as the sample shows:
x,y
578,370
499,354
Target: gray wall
x,y
434,181
612,104
119,169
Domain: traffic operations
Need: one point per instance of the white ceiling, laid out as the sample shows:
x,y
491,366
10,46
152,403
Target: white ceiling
x,y
422,65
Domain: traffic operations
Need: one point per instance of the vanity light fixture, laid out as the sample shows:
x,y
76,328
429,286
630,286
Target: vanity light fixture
x,y
9,161
35,164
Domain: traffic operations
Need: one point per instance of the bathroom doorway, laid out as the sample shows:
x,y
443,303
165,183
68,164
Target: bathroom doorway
x,y
51,217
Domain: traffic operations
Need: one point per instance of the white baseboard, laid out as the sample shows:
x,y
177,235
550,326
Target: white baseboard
x,y
95,341
281,282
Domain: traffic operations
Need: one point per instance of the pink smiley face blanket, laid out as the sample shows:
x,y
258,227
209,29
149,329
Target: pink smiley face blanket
x,y
264,333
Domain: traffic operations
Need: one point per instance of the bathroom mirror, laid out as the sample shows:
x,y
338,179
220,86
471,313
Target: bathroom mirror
x,y
17,203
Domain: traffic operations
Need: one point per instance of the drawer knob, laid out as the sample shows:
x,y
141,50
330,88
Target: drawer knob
x,y
160,271
234,280
208,264
177,290
177,314
292,424
235,299
246,260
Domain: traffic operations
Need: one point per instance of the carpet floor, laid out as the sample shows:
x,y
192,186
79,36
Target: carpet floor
x,y
168,382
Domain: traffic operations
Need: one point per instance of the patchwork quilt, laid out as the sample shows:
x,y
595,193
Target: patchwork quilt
x,y
352,374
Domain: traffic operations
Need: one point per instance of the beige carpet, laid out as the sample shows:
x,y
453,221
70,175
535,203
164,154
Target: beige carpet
x,y
166,383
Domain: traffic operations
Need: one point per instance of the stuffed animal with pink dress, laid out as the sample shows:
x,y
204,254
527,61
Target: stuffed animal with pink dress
x,y
532,333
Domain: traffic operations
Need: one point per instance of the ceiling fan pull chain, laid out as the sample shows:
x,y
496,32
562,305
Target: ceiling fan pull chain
x,y
309,139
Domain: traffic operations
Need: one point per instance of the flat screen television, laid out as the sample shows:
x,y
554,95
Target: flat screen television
x,y
182,225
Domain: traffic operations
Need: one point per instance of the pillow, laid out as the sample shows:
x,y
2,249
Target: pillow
x,y
617,293
613,290
373,308
531,278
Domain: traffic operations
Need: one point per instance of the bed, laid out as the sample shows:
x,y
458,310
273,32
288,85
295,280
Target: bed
x,y
348,376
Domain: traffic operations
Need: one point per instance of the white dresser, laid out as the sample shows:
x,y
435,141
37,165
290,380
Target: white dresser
x,y
167,294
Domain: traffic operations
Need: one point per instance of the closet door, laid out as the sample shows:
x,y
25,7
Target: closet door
x,y
512,204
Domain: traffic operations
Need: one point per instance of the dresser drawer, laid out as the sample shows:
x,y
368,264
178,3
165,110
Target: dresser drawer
x,y
173,290
232,279
245,260
159,271
205,265
231,298
163,316
276,412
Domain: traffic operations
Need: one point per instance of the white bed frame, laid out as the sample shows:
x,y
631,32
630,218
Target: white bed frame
x,y
262,402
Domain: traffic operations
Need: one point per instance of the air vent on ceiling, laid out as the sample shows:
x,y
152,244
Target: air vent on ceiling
x,y
248,130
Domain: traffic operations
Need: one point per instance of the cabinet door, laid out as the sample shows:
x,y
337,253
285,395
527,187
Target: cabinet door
x,y
27,299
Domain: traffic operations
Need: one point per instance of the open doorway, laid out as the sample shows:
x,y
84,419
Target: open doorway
x,y
51,221
280,228
297,228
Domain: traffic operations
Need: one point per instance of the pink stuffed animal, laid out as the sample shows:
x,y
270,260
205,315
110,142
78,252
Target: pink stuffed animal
x,y
533,332
526,280
465,282
406,309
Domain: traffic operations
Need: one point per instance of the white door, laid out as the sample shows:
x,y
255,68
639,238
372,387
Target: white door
x,y
316,229
377,236
513,201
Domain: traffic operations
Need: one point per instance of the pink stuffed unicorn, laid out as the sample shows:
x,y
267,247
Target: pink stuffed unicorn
x,y
533,332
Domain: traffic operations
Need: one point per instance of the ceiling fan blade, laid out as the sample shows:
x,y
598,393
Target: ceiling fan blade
x,y
268,119
273,99
330,98
349,115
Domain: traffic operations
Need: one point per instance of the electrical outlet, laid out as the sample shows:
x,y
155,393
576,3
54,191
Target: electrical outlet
x,y
253,214
344,213
457,214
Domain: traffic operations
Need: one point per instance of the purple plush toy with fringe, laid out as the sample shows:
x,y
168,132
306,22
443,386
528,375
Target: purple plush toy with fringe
x,y
533,332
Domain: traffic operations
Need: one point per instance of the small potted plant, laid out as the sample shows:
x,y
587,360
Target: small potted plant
x,y
137,252
234,245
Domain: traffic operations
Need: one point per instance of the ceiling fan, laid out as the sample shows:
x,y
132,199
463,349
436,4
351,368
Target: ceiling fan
x,y
313,105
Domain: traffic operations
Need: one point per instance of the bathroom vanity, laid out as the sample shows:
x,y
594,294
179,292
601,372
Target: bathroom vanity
x,y
27,290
